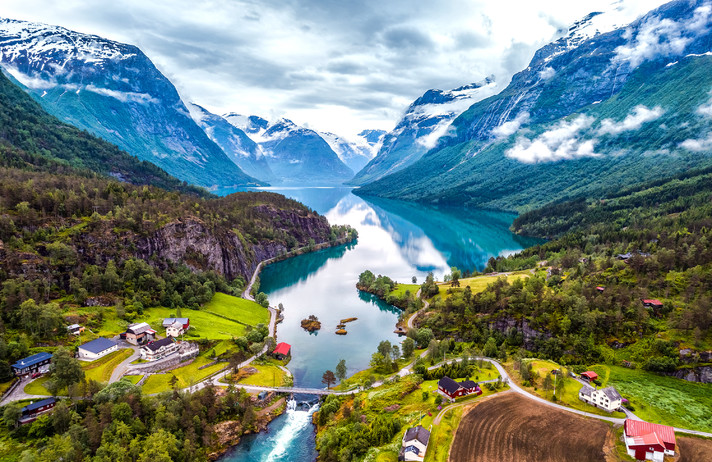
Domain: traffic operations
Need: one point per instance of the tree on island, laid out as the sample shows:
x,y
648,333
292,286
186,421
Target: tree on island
x,y
328,378
341,370
414,280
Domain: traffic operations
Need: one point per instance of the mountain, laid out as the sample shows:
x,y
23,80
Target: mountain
x,y
597,109
234,142
115,92
33,140
423,123
296,155
355,154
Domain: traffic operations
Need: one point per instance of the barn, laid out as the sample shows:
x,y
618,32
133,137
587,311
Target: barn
x,y
282,351
589,375
648,441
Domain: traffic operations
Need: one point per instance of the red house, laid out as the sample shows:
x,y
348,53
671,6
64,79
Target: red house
x,y
451,389
652,303
34,409
600,288
648,441
589,375
282,351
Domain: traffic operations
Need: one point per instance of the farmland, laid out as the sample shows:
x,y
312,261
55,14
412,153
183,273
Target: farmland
x,y
693,449
479,283
511,428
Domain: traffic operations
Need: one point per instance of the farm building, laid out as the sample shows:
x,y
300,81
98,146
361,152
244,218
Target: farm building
x,y
415,443
34,409
282,351
451,389
589,375
38,362
185,322
97,348
648,441
75,329
140,334
159,349
175,330
651,303
607,398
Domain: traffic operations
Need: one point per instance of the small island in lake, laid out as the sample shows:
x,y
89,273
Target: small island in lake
x,y
341,332
344,321
311,324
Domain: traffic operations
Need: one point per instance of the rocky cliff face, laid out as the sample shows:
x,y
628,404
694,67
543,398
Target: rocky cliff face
x,y
529,334
701,374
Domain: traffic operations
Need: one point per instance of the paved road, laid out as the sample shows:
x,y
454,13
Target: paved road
x,y
124,365
417,313
18,393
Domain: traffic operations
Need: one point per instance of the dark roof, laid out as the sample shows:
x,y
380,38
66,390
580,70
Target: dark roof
x,y
98,345
417,433
448,384
586,390
468,384
612,393
155,346
31,360
34,406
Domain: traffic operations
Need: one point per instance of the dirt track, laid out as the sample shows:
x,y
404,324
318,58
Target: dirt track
x,y
511,428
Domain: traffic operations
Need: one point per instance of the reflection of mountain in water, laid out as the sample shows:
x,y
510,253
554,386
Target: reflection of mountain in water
x,y
466,238
300,269
373,300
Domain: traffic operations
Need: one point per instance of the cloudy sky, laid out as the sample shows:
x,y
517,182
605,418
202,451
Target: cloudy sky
x,y
334,65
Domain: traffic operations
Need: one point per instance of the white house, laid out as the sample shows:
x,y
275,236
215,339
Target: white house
x,y
175,329
607,398
97,348
415,443
159,349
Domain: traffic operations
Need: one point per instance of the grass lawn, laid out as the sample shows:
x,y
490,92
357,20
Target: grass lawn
x,y
101,369
480,283
442,435
161,382
267,376
239,309
133,378
662,399
400,290
202,324
569,396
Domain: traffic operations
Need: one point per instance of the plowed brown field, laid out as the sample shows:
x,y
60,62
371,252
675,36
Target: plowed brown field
x,y
694,449
511,428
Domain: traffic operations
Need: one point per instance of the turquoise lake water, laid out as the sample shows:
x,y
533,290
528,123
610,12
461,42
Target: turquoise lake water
x,y
397,239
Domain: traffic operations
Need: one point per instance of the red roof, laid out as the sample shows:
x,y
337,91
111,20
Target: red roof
x,y
600,288
590,375
652,301
282,349
650,433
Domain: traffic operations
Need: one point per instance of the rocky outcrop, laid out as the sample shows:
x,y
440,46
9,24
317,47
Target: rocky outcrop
x,y
701,374
529,334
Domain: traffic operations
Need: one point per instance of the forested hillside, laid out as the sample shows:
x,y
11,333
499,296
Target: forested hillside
x,y
33,140
583,301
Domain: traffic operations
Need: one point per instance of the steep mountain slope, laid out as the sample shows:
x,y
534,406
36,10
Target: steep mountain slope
x,y
31,139
589,113
296,155
423,123
355,154
234,142
114,91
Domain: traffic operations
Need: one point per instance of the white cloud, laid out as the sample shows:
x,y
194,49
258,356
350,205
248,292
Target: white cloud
x,y
633,121
431,139
123,96
662,37
547,73
698,145
511,127
560,143
705,109
340,66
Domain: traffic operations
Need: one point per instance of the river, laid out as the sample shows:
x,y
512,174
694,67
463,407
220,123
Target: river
x,y
397,239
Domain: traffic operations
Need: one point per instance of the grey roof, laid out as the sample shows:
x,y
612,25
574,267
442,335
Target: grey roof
x,y
74,326
139,328
98,345
417,433
448,384
586,391
612,393
168,321
155,346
